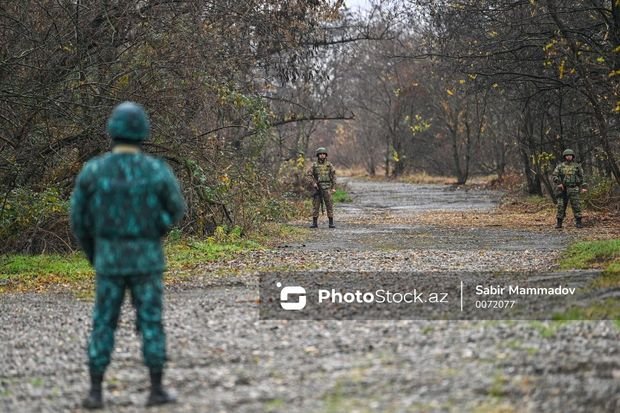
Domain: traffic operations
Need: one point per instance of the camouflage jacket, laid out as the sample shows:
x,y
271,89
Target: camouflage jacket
x,y
569,174
121,206
323,174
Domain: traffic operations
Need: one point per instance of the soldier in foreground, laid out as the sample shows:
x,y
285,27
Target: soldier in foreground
x,y
323,176
122,205
568,178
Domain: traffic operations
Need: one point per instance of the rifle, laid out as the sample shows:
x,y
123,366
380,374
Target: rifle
x,y
564,195
319,192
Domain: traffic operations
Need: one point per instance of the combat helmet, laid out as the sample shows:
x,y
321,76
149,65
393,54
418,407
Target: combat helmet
x,y
568,152
320,151
129,122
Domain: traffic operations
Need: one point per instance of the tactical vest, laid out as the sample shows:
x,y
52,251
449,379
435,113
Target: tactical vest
x,y
321,173
570,174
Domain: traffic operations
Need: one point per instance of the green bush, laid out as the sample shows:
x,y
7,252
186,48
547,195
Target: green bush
x,y
600,193
292,177
34,222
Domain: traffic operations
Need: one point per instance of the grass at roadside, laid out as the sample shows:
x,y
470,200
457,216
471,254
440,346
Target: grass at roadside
x,y
600,254
341,196
72,272
187,254
42,272
604,254
272,234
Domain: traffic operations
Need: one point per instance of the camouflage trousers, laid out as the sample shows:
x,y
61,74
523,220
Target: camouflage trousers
x,y
571,195
146,298
328,201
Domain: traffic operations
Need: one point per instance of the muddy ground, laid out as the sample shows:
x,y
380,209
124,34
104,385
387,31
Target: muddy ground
x,y
223,358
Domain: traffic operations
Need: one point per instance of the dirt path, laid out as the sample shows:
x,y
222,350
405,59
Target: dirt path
x,y
224,359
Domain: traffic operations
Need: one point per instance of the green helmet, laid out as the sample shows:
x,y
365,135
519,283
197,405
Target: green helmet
x,y
320,151
568,152
129,121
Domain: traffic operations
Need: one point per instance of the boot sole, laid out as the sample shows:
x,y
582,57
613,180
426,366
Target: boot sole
x,y
160,402
92,406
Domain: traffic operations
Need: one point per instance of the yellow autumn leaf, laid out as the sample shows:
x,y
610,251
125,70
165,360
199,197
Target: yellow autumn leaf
x,y
122,81
600,59
462,81
614,73
561,69
449,92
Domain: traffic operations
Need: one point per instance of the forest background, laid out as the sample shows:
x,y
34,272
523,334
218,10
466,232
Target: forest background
x,y
238,90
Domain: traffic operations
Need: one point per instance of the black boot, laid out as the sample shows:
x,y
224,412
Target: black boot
x,y
94,400
559,223
331,223
578,223
315,223
158,394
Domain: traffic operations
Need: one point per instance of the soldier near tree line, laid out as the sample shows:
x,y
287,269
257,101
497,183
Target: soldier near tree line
x,y
323,177
122,205
569,181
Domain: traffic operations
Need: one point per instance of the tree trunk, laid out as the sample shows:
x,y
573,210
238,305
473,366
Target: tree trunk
x,y
525,149
588,89
455,155
387,156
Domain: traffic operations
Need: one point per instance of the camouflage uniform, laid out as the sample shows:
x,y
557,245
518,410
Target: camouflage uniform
x,y
122,205
570,175
324,174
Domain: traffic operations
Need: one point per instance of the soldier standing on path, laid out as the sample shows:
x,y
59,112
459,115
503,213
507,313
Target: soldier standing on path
x,y
323,176
568,178
122,205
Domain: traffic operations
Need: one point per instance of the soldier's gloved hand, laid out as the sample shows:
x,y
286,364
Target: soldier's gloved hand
x,y
584,189
333,190
315,186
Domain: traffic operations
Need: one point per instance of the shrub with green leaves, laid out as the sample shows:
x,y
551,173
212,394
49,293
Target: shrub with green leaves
x,y
34,222
600,193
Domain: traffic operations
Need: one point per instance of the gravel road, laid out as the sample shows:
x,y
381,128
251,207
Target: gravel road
x,y
224,359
